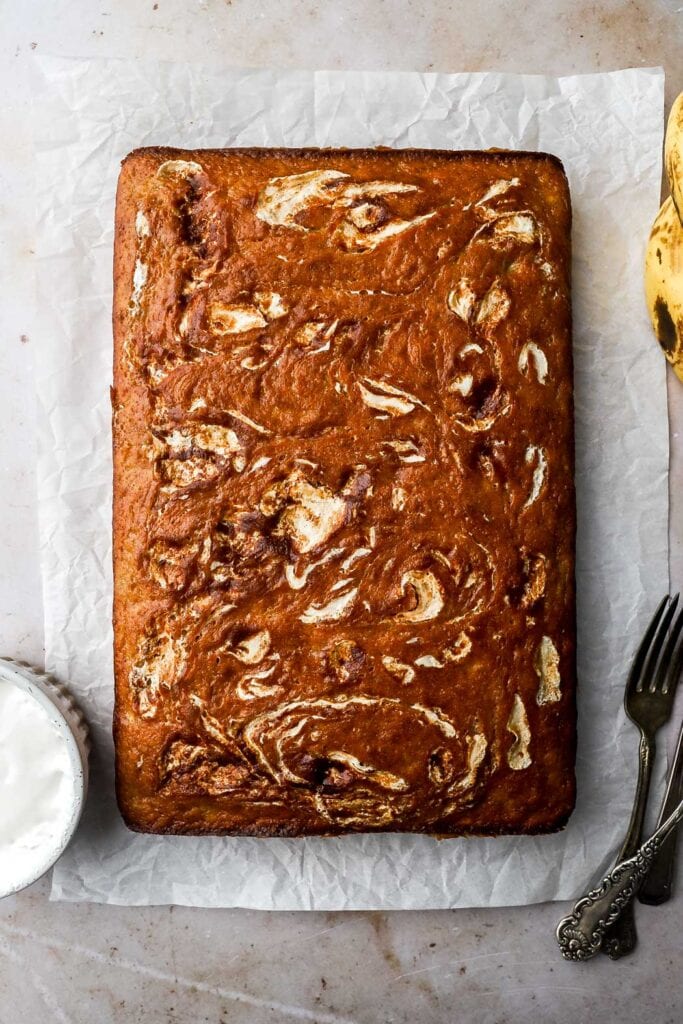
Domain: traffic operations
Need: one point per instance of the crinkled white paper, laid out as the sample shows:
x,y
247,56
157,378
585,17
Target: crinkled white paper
x,y
607,129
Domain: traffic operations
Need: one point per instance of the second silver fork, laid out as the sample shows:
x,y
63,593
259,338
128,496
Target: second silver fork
x,y
649,697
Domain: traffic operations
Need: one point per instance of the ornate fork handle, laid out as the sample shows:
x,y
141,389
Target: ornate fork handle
x,y
657,886
581,933
621,936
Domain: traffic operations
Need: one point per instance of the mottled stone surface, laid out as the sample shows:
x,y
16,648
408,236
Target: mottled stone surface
x,y
73,963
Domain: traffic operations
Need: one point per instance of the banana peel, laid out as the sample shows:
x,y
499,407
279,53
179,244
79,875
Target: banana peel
x,y
673,154
664,283
664,254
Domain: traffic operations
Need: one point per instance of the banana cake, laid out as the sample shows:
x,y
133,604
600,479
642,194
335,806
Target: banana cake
x,y
343,492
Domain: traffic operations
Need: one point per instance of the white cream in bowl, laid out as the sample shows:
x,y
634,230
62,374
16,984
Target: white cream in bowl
x,y
43,774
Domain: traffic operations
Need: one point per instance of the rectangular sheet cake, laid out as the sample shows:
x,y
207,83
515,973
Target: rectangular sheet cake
x,y
344,504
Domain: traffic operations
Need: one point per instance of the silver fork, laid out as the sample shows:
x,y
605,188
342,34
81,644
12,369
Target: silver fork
x,y
658,884
649,697
580,934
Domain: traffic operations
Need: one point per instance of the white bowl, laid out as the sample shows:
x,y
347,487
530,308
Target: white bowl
x,y
71,725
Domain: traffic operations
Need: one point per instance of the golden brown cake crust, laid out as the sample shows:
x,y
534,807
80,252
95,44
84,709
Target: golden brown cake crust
x,y
343,492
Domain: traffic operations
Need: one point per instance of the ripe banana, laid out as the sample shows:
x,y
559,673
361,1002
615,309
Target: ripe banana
x,y
664,283
673,153
664,255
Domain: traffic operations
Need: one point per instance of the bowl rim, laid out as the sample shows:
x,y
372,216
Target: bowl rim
x,y
45,692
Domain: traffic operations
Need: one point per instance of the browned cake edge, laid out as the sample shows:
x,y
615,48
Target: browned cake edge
x,y
124,235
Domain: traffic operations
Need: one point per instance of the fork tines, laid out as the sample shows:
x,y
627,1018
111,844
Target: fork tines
x,y
659,665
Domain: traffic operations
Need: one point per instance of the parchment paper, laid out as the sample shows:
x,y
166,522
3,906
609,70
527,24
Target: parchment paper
x,y
608,131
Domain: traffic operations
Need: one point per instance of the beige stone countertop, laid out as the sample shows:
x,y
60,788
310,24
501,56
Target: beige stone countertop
x,y
73,963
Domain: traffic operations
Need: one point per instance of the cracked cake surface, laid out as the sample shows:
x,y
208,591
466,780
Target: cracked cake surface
x,y
343,492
